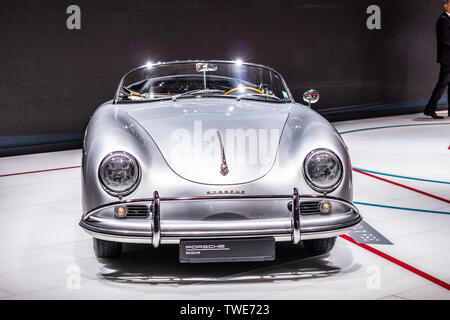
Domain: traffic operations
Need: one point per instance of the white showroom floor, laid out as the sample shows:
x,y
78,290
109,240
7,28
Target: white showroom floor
x,y
401,184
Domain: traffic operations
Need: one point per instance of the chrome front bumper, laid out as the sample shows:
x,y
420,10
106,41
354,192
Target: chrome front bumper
x,y
221,216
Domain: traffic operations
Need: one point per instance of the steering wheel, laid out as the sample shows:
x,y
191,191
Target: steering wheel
x,y
245,88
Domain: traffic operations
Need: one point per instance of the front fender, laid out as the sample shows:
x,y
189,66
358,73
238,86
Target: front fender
x,y
306,131
110,129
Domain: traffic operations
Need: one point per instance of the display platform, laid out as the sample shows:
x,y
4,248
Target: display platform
x,y
401,181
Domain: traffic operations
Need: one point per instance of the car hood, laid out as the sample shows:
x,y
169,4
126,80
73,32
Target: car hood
x,y
188,133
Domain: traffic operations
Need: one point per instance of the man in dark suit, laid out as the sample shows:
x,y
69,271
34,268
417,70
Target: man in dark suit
x,y
443,57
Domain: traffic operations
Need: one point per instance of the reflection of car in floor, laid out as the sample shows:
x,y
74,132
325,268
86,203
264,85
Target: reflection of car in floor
x,y
215,156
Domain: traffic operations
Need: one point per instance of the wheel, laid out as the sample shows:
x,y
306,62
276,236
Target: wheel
x,y
107,249
319,246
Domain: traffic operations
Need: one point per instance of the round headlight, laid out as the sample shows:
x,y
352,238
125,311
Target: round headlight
x,y
323,170
119,173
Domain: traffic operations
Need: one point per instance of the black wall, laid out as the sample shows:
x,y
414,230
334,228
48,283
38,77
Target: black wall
x,y
52,79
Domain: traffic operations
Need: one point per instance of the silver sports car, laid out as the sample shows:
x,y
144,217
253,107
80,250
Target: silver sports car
x,y
215,156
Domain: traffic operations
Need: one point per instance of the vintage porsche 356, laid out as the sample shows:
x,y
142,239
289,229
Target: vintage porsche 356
x,y
217,157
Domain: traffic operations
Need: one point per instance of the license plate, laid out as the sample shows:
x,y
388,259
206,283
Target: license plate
x,y
227,250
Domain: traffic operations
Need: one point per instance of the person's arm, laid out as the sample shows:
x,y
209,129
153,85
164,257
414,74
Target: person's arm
x,y
443,27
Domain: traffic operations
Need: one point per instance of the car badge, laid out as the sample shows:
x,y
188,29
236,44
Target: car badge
x,y
223,166
224,169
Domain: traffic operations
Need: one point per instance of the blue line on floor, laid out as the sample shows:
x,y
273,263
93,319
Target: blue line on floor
x,y
395,126
398,176
399,208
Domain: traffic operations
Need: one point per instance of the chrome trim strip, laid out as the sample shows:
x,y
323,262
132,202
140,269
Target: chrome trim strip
x,y
156,221
176,240
223,166
117,238
319,229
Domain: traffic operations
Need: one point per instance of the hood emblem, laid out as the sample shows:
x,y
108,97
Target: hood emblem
x,y
223,166
224,169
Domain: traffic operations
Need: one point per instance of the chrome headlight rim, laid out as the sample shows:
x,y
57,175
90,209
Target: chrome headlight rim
x,y
127,191
311,183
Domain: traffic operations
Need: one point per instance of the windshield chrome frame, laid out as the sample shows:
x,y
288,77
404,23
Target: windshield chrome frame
x,y
117,94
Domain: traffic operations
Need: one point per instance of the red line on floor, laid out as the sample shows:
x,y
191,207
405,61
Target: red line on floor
x,y
403,186
398,262
37,171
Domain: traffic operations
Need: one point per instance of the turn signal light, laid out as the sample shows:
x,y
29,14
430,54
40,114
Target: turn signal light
x,y
325,206
120,211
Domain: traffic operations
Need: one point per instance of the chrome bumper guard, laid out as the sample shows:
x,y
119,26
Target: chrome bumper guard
x,y
153,236
156,221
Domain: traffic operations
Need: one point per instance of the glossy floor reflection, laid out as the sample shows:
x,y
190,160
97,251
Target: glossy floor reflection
x,y
142,264
44,254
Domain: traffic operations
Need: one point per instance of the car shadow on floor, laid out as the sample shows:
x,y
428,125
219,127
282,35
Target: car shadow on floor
x,y
144,264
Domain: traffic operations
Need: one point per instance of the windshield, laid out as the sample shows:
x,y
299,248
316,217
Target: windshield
x,y
202,79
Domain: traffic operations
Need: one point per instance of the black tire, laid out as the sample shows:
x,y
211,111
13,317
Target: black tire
x,y
319,246
107,249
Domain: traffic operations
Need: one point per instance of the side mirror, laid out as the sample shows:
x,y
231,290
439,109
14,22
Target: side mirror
x,y
311,96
